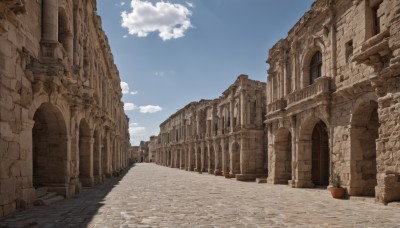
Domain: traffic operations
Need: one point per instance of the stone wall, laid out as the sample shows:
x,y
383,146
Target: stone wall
x,y
346,107
62,122
221,136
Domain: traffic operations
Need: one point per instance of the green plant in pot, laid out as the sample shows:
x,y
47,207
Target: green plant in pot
x,y
336,190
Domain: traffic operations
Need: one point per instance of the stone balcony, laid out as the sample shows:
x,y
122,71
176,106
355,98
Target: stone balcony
x,y
276,106
319,88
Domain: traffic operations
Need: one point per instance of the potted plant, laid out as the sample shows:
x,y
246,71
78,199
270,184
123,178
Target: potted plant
x,y
336,190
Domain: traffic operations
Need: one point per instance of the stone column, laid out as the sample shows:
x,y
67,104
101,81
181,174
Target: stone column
x,y
50,21
86,170
231,106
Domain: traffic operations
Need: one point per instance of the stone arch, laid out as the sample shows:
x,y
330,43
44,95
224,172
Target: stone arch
x,y
235,158
85,154
283,156
318,47
363,136
314,153
50,149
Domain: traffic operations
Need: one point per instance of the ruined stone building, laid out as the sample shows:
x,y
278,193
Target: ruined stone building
x,y
62,123
144,151
333,96
152,148
221,136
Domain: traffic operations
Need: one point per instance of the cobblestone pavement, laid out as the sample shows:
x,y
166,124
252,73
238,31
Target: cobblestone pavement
x,y
156,196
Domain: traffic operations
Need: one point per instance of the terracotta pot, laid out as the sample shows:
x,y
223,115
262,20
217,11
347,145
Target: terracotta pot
x,y
337,193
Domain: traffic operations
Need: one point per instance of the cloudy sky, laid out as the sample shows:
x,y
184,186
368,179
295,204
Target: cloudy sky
x,y
170,53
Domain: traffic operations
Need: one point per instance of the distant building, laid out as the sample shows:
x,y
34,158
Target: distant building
x,y
221,136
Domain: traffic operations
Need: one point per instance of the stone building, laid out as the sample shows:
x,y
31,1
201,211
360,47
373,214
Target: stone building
x,y
62,123
144,151
333,95
221,136
152,148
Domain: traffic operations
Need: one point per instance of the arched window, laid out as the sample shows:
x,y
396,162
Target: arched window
x,y
315,67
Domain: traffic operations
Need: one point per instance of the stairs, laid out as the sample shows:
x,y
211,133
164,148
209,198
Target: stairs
x,y
46,198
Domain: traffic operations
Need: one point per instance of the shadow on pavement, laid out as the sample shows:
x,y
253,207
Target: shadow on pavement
x,y
73,212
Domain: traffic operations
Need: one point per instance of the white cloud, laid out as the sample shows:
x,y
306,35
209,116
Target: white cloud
x,y
168,19
136,132
125,36
190,4
149,109
122,3
129,106
125,89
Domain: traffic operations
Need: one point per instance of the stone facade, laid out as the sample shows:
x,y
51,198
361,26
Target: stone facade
x,y
144,151
153,148
333,99
62,123
221,136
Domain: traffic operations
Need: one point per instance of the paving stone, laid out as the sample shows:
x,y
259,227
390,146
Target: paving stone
x,y
157,196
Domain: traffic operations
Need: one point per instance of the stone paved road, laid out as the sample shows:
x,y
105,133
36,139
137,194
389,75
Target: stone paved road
x,y
156,196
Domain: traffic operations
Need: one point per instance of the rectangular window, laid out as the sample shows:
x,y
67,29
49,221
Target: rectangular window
x,y
349,50
375,16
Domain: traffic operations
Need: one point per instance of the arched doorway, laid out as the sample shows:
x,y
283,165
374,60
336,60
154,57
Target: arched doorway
x,y
97,157
363,134
178,159
283,156
235,158
205,160
105,156
218,168
211,160
320,155
198,159
85,155
49,149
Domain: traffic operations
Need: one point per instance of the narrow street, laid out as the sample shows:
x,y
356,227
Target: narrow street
x,y
156,196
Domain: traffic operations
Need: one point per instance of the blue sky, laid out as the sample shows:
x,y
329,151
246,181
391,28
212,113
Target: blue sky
x,y
170,53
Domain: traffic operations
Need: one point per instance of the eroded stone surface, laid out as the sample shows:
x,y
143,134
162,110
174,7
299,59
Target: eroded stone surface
x,y
62,123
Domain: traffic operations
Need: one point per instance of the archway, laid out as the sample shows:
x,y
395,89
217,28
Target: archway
x,y
227,156
283,156
211,160
178,159
205,163
49,148
363,135
235,158
85,154
105,155
198,159
97,157
218,167
320,155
